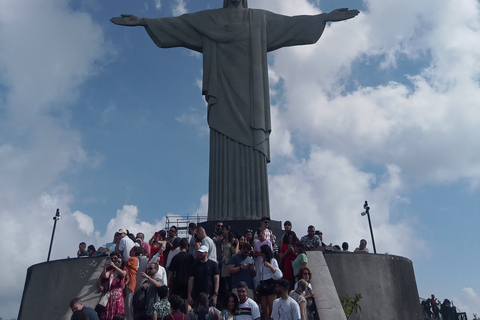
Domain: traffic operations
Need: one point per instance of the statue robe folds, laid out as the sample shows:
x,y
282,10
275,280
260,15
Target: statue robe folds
x,y
235,85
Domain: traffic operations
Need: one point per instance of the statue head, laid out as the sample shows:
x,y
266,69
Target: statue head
x,y
244,3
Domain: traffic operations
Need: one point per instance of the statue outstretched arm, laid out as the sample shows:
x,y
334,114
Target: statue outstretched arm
x,y
128,20
341,14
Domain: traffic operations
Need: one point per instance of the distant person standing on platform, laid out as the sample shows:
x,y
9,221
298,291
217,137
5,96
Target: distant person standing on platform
x,y
207,242
362,248
217,237
124,245
179,271
287,226
82,250
311,240
264,224
345,247
204,277
192,231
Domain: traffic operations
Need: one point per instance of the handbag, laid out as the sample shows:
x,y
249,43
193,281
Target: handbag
x,y
104,299
267,287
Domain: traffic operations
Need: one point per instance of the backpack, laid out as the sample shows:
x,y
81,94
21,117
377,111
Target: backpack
x,y
139,300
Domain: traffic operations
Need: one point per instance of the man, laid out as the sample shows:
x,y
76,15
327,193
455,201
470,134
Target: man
x,y
362,248
320,235
264,224
172,234
311,240
192,231
179,271
284,307
151,283
247,308
345,247
204,277
207,242
235,85
131,266
217,237
241,267
82,250
77,304
125,244
146,247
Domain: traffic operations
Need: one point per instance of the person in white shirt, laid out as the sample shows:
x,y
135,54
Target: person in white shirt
x,y
247,308
125,244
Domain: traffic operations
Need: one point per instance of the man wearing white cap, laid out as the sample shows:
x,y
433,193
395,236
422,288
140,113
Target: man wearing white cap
x,y
204,277
125,244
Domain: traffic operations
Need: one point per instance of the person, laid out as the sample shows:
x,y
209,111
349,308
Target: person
x,y
227,252
171,236
247,307
151,283
116,282
217,237
192,231
249,237
203,311
162,307
241,267
261,241
179,271
264,224
362,248
176,303
82,250
131,266
234,41
76,305
207,242
204,277
298,296
288,255
158,244
230,307
305,274
173,252
79,315
91,250
301,260
345,247
434,302
311,240
142,267
146,247
125,244
268,273
284,307
287,226
320,235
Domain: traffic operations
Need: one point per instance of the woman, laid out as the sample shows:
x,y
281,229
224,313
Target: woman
x,y
227,247
267,273
305,274
288,255
158,244
301,260
249,236
257,253
203,311
91,250
230,307
298,296
116,283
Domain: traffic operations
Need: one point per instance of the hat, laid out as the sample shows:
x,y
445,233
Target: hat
x,y
122,231
203,249
287,223
136,244
138,239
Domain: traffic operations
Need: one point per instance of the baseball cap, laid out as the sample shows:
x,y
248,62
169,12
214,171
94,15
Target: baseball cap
x,y
203,249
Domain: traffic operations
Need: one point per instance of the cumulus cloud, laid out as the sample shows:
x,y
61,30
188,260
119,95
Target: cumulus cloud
x,y
179,7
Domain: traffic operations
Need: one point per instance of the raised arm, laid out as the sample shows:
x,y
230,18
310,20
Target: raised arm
x,y
128,20
341,14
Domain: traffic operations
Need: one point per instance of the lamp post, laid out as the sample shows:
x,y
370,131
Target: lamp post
x,y
367,212
55,218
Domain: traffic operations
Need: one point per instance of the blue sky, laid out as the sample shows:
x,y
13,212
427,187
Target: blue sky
x,y
99,122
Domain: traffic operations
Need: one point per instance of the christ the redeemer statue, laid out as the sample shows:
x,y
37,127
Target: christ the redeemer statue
x,y
234,41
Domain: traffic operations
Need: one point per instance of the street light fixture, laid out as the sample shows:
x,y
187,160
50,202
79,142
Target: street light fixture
x,y
367,212
55,218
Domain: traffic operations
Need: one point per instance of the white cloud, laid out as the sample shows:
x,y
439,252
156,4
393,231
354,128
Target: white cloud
x,y
468,302
85,222
179,8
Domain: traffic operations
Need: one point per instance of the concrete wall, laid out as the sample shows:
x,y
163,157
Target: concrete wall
x,y
386,282
50,286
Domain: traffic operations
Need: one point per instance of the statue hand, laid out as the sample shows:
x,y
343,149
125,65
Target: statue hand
x,y
128,20
341,14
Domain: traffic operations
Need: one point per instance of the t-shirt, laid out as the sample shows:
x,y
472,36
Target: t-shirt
x,y
161,308
126,244
287,309
297,263
92,314
297,297
203,274
131,267
180,266
256,248
212,248
248,310
242,275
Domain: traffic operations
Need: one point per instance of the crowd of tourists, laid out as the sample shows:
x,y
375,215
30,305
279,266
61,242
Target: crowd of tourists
x,y
432,308
221,276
